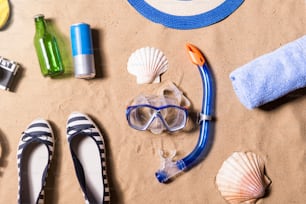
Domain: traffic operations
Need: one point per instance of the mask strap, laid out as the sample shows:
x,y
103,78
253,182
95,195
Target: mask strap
x,y
171,90
141,99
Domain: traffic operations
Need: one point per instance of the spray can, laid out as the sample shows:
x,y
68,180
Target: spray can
x,y
82,51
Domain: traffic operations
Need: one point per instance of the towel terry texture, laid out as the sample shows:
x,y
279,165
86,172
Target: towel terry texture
x,y
272,75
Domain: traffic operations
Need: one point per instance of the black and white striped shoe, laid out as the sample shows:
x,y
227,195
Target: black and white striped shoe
x,y
35,151
88,153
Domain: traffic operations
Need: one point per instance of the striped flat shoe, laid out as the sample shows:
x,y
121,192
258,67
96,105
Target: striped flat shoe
x,y
35,151
88,154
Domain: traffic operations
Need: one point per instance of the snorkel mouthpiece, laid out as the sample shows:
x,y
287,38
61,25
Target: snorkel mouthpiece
x,y
169,168
163,176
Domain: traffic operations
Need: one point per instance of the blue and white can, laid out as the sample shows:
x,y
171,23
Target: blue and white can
x,y
82,51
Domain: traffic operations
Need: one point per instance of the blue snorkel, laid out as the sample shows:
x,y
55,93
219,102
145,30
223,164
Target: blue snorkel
x,y
171,168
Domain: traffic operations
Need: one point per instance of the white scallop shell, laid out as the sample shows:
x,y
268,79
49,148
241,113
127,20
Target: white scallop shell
x,y
147,64
242,179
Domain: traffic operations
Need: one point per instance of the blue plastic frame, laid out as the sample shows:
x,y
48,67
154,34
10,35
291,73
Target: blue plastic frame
x,y
130,108
186,22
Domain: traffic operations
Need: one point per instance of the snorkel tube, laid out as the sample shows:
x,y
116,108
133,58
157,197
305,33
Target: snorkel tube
x,y
171,168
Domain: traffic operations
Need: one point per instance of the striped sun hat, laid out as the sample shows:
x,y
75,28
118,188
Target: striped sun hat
x,y
185,14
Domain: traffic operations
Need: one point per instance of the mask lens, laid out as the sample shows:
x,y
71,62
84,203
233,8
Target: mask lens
x,y
140,116
174,117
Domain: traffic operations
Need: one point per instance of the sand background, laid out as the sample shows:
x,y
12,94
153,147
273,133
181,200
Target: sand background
x,y
277,131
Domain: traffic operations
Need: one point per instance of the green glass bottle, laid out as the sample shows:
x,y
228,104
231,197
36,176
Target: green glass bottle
x,y
47,49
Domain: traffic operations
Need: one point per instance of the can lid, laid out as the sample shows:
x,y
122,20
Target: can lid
x,y
81,23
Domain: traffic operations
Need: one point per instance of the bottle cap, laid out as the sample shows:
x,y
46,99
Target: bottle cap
x,y
39,16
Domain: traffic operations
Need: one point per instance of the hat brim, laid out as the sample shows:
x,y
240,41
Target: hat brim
x,y
186,22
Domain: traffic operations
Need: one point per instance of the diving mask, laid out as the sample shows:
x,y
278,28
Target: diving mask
x,y
159,113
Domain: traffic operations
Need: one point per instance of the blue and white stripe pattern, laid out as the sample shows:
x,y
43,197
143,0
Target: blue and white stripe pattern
x,y
39,131
77,124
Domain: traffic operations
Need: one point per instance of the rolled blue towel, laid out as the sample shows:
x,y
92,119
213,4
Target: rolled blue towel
x,y
272,75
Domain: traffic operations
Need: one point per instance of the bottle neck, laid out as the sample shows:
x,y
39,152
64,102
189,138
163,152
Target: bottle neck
x,y
40,26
